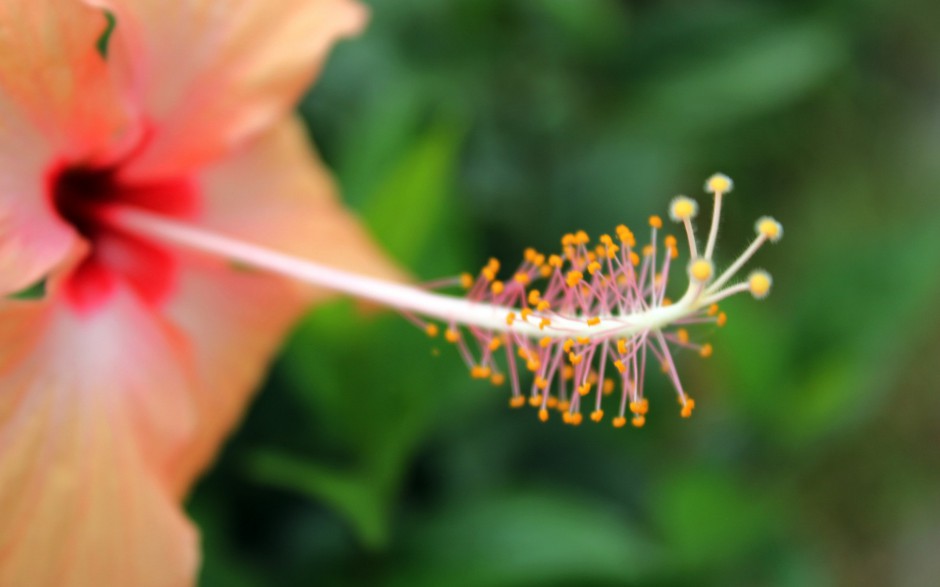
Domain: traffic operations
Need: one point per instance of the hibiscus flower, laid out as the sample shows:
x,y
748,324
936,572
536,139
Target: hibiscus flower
x,y
118,385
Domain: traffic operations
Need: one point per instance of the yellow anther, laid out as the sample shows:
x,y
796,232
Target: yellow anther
x,y
575,358
612,251
640,407
648,250
620,366
664,367
759,283
670,241
534,297
495,343
545,342
706,350
634,259
568,345
593,267
541,382
535,401
523,353
521,278
682,335
567,240
597,415
721,320
551,402
525,313
638,421
539,260
584,389
656,222
769,228
567,372
719,184
510,318
545,271
466,280
543,306
497,287
606,240
555,261
626,236
583,339
498,379
592,377
480,372
533,365
574,278
566,417
452,335
488,274
600,251
529,254
493,265
581,238
682,208
622,346
701,270
593,321
543,415
516,401
608,387
712,309
619,422
667,301
687,408
576,419
544,322
432,330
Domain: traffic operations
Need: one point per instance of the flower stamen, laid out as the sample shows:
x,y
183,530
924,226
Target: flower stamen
x,y
593,308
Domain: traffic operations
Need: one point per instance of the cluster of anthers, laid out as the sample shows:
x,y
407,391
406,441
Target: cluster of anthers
x,y
585,320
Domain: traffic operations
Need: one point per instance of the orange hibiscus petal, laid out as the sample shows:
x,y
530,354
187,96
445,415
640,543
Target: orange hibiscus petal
x,y
272,193
212,73
57,103
93,413
276,193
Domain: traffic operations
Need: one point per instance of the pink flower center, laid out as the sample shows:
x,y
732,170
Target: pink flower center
x,y
116,258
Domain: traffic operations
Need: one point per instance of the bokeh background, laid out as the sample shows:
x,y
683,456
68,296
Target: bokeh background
x,y
466,129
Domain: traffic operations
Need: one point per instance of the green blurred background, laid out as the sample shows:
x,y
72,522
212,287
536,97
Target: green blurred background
x,y
464,129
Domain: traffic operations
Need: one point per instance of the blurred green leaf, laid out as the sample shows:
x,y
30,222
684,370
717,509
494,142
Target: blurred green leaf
x,y
383,130
36,291
765,72
408,205
834,361
708,519
525,538
352,497
342,378
595,24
